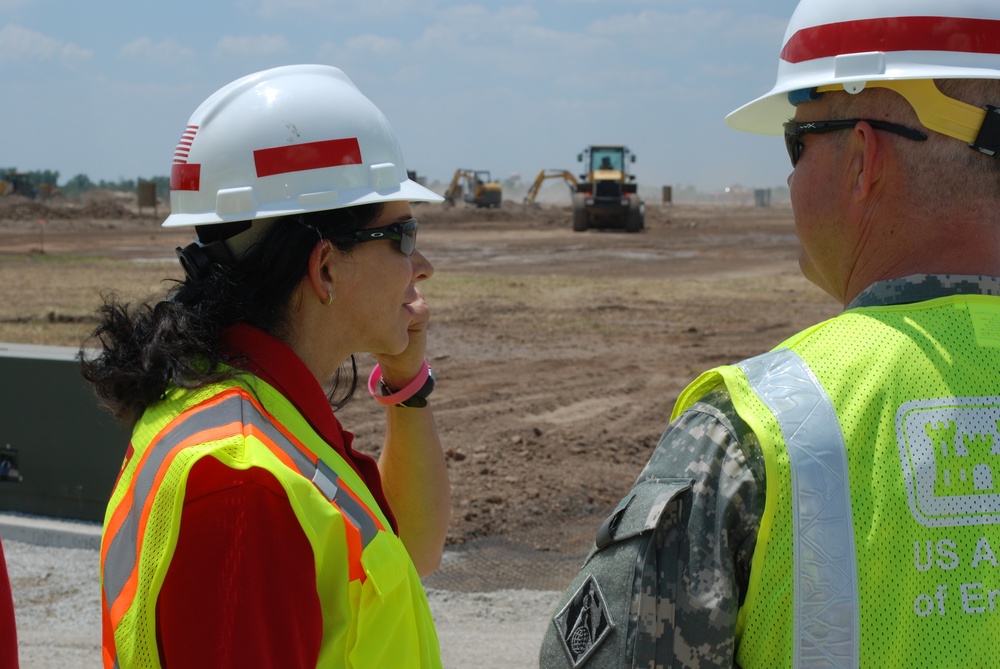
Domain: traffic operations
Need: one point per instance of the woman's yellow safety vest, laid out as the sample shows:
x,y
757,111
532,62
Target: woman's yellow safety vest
x,y
879,544
375,610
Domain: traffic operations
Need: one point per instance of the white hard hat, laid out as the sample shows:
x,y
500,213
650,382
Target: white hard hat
x,y
854,43
289,140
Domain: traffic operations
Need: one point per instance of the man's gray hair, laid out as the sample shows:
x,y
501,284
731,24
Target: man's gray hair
x,y
943,168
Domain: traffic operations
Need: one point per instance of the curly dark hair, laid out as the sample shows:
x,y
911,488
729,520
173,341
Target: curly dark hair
x,y
146,348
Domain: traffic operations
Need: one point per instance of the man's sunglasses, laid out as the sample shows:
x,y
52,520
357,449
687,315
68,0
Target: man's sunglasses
x,y
405,232
796,130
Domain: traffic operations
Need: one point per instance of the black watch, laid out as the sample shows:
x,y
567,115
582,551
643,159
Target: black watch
x,y
419,399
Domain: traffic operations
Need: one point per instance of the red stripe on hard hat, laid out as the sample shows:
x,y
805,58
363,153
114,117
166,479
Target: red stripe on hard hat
x,y
897,33
185,176
309,156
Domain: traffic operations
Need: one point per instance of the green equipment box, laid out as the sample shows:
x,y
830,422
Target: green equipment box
x,y
59,451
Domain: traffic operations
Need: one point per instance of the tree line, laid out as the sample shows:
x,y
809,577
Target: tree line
x,y
81,183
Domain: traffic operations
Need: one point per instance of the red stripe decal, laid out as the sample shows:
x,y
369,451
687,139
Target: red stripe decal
x,y
310,156
185,176
903,33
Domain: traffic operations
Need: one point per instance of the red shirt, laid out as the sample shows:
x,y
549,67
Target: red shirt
x,y
8,628
241,587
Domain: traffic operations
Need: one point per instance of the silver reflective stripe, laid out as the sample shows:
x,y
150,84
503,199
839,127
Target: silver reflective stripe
x,y
123,549
326,480
826,616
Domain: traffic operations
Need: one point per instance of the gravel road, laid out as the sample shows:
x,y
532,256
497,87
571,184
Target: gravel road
x,y
57,605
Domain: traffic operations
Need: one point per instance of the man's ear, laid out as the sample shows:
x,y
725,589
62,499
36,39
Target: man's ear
x,y
869,160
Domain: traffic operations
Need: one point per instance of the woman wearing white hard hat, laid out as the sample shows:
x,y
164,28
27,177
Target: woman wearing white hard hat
x,y
244,530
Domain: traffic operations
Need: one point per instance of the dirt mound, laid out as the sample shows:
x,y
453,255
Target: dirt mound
x,y
97,209
20,208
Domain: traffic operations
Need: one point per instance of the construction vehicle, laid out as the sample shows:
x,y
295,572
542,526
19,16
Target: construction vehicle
x,y
17,183
606,196
550,174
480,189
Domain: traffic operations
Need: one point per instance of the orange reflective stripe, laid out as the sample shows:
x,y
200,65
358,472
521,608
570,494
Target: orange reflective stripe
x,y
107,635
122,536
115,522
352,507
252,431
129,588
353,533
239,413
124,507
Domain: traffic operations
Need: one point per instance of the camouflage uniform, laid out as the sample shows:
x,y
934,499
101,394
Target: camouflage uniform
x,y
664,582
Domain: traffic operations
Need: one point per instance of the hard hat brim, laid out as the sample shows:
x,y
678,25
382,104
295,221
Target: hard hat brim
x,y
407,191
766,114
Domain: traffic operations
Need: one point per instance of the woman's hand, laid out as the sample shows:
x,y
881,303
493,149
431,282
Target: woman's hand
x,y
412,464
398,370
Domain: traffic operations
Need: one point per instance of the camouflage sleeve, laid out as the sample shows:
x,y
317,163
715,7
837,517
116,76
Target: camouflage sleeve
x,y
668,571
710,444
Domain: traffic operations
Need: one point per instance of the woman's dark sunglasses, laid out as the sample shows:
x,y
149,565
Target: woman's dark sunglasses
x,y
796,130
405,232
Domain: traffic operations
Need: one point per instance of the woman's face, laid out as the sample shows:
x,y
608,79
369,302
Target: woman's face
x,y
374,286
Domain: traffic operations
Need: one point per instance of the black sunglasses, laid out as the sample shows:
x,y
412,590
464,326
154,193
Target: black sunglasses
x,y
405,232
796,130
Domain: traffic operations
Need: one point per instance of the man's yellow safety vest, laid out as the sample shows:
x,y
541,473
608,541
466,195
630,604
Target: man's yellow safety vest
x,y
374,607
879,544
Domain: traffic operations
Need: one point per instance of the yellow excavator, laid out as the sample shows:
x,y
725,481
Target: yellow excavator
x,y
480,190
550,174
606,196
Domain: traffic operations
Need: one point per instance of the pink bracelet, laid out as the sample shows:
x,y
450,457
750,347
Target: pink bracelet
x,y
408,391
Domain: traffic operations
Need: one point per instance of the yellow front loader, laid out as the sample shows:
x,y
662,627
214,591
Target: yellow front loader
x,y
606,196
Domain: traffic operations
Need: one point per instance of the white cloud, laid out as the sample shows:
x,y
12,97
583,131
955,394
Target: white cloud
x,y
261,45
19,44
480,17
363,50
605,2
374,44
333,10
167,52
694,28
508,41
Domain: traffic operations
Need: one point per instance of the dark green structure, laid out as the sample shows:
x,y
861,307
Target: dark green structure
x,y
59,452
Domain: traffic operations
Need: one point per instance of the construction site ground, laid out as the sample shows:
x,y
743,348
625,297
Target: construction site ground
x,y
558,354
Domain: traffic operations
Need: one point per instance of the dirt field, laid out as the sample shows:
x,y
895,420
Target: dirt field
x,y
558,354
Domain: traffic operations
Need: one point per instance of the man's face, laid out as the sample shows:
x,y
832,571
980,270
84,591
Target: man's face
x,y
820,191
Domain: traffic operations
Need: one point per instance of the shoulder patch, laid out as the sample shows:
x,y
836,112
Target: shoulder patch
x,y
584,622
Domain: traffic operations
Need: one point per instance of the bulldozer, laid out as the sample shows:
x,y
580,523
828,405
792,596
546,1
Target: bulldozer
x,y
480,190
606,195
550,174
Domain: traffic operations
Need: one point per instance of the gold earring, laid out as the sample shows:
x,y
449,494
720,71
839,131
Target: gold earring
x,y
329,298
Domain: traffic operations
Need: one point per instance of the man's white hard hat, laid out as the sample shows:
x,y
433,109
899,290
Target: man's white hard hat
x,y
857,42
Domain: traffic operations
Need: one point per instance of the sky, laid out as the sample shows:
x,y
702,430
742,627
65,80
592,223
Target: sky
x,y
511,86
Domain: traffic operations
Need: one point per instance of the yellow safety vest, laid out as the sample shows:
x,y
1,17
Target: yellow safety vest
x,y
375,610
879,544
